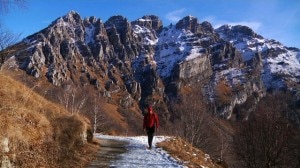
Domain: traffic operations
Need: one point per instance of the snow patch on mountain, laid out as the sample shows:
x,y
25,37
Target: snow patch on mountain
x,y
232,75
281,69
176,46
149,38
248,47
286,64
144,20
147,35
89,33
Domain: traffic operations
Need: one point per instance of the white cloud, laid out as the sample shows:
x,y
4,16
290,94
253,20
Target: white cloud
x,y
176,15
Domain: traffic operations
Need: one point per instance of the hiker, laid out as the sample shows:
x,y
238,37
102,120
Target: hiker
x,y
150,124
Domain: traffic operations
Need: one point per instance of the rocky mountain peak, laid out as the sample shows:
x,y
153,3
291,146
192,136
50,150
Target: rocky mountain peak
x,y
207,27
91,20
247,31
150,22
118,21
237,32
189,23
72,17
119,31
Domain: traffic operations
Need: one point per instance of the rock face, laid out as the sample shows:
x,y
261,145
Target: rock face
x,y
199,67
5,159
142,59
270,65
150,22
281,66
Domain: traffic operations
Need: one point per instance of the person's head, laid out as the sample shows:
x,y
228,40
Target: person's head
x,y
150,110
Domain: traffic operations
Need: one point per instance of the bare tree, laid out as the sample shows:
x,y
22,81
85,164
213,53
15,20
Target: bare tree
x,y
64,99
224,144
72,100
7,38
77,101
97,118
195,120
264,141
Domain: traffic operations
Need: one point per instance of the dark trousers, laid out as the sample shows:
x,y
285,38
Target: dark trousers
x,y
150,133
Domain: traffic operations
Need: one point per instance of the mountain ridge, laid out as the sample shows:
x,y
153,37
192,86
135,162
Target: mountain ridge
x,y
146,62
208,86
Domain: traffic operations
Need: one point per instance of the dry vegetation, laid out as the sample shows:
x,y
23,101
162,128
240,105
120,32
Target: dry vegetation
x,y
267,139
196,125
37,133
223,93
191,156
92,103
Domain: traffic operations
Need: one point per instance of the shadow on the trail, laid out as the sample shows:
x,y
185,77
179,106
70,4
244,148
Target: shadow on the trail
x,y
110,150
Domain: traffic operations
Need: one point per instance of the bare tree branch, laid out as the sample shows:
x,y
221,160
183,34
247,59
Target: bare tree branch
x,y
72,101
265,140
7,38
195,123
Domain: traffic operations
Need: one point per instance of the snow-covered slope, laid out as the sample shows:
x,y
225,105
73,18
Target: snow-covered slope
x,y
281,65
175,46
148,40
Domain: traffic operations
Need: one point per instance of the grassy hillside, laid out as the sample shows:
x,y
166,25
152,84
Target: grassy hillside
x,y
111,117
37,133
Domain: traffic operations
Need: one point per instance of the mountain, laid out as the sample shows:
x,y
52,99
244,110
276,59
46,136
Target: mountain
x,y
281,66
132,64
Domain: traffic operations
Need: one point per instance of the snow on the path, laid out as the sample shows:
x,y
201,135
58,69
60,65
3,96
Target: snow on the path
x,y
139,156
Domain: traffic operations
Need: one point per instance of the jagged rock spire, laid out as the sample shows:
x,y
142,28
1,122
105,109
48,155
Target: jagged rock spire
x,y
189,23
238,32
72,17
150,22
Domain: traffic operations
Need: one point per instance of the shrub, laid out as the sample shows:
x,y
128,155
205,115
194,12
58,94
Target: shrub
x,y
223,93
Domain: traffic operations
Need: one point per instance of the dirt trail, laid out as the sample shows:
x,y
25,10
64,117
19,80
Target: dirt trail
x,y
131,152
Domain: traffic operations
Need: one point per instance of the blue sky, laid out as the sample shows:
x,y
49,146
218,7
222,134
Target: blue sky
x,y
273,19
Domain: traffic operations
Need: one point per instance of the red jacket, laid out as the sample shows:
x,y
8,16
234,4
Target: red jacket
x,y
150,120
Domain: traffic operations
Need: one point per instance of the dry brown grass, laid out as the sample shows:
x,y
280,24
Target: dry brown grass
x,y
224,93
115,115
40,133
113,121
191,156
